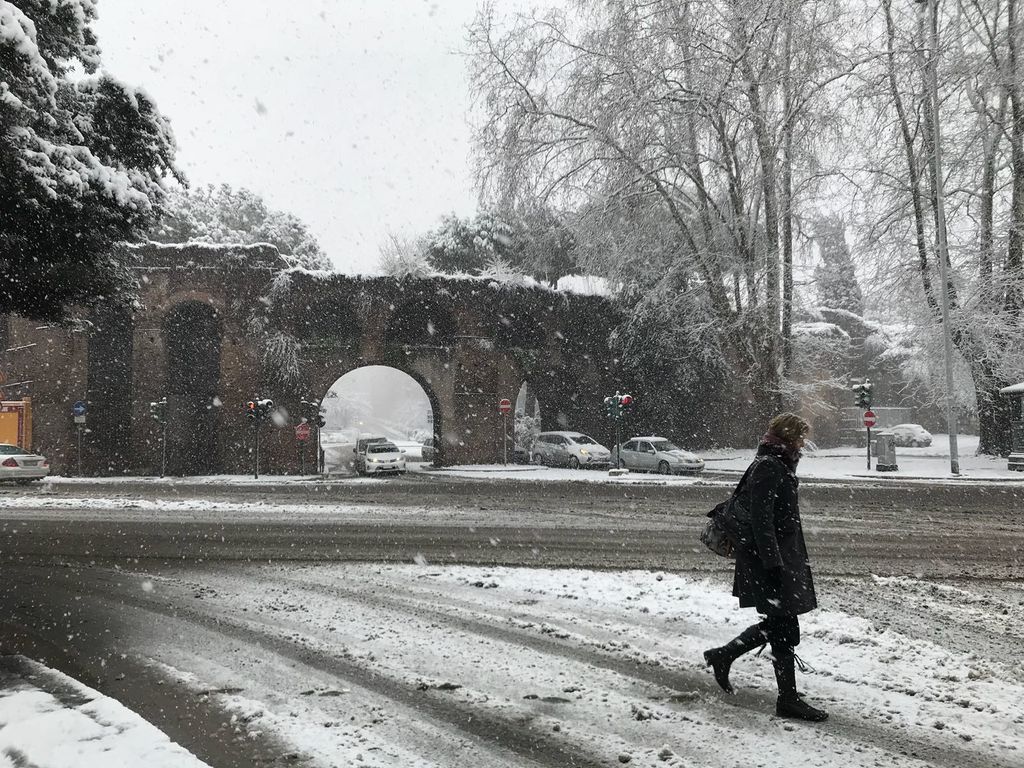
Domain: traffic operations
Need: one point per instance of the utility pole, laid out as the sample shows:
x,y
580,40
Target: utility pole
x,y
942,246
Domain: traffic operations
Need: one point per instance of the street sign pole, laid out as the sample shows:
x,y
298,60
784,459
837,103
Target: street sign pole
x,y
256,463
618,444
869,448
163,446
78,411
869,420
504,406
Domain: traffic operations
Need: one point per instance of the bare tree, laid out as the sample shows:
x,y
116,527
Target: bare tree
x,y
982,117
683,132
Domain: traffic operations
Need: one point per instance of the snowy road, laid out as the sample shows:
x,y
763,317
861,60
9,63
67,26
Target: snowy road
x,y
221,618
946,532
414,665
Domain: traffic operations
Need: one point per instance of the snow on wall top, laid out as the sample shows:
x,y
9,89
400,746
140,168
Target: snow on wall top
x,y
199,255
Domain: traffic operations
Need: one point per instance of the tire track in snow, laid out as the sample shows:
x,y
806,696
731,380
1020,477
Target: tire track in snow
x,y
754,703
518,735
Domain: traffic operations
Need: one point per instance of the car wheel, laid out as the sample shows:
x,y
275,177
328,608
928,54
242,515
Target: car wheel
x,y
663,468
914,444
574,463
538,459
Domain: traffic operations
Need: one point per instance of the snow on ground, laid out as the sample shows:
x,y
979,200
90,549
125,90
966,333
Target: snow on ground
x,y
601,664
48,720
931,463
831,464
847,463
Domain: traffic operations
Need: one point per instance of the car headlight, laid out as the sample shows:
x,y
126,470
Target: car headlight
x,y
584,452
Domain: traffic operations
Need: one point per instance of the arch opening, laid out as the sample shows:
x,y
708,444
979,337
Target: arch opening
x,y
380,402
192,341
527,423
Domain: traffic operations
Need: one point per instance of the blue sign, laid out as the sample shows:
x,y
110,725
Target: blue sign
x,y
79,408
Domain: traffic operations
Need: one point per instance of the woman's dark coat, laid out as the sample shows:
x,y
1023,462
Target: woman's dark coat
x,y
773,572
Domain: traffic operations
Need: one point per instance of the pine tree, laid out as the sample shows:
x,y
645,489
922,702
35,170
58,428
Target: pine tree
x,y
83,159
835,276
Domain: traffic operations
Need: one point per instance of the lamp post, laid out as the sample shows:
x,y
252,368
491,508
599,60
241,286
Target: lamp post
x,y
942,246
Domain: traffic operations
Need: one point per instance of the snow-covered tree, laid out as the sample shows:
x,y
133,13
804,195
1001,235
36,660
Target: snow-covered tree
x,y
83,159
223,214
404,257
468,245
703,119
835,276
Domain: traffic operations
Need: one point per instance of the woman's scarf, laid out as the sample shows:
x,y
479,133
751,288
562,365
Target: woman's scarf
x,y
772,444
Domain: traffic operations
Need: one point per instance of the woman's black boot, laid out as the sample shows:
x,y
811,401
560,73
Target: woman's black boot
x,y
720,659
790,704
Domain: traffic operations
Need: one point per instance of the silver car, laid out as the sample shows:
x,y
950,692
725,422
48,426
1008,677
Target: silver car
x,y
21,466
569,449
656,454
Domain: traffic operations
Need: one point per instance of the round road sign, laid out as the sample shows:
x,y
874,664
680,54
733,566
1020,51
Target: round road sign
x,y
504,405
870,419
302,431
79,408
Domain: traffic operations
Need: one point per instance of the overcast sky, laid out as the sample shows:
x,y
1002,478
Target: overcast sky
x,y
352,114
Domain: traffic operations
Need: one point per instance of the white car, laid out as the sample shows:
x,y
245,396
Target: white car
x,y
656,454
380,458
17,465
569,449
911,435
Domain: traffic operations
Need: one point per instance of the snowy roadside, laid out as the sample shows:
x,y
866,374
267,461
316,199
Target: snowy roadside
x,y
48,720
604,666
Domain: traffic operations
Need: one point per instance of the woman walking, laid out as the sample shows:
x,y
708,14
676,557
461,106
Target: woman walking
x,y
773,572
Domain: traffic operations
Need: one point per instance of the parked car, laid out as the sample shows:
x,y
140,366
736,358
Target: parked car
x,y
427,451
379,458
656,454
569,449
19,466
911,435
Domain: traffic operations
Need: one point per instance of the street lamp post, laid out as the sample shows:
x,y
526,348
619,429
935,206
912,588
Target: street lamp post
x,y
942,246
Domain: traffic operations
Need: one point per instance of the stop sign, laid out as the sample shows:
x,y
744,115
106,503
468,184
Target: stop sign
x,y
504,405
302,431
870,419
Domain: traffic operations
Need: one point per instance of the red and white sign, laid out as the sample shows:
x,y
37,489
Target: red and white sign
x,y
870,419
302,431
504,405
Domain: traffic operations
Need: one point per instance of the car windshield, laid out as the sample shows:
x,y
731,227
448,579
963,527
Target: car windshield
x,y
583,440
664,445
10,450
383,448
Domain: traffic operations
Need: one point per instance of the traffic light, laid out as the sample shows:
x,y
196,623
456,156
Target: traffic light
x,y
862,394
616,406
258,410
158,410
625,404
264,407
313,412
